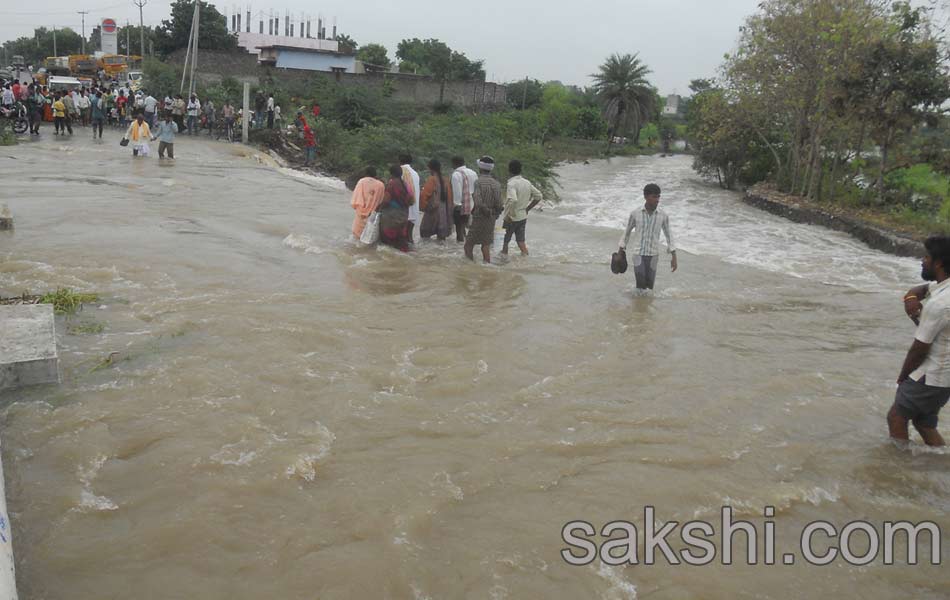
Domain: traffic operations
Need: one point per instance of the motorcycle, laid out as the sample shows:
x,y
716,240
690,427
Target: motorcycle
x,y
16,114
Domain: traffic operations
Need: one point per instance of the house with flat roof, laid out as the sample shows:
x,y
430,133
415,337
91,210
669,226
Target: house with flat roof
x,y
308,59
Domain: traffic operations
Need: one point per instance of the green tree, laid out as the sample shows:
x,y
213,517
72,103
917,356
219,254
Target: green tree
x,y
558,116
347,45
525,94
129,40
434,58
35,49
590,123
213,35
899,82
374,55
625,94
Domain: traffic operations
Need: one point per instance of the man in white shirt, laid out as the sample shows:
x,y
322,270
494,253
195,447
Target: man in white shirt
x,y
411,179
520,198
923,385
151,105
648,221
463,190
270,111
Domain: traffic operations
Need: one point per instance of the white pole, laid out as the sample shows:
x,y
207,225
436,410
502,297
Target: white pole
x,y
184,68
7,575
247,111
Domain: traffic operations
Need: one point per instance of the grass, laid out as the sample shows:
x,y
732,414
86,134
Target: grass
x,y
85,328
67,302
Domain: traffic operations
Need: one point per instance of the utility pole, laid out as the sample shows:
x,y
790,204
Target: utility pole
x,y
54,43
524,93
83,13
140,4
128,44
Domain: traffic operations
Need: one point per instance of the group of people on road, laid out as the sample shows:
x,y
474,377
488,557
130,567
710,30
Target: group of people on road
x,y
464,201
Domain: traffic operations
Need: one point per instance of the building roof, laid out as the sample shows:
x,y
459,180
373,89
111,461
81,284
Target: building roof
x,y
299,49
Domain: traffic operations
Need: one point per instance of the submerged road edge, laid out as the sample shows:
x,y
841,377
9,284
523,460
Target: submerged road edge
x,y
872,235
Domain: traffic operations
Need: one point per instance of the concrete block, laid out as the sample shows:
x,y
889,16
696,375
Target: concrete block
x,y
27,346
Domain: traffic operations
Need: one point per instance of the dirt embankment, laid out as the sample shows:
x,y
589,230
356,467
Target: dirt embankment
x,y
801,210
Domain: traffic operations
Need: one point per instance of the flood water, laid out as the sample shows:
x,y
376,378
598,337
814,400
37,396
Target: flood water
x,y
287,415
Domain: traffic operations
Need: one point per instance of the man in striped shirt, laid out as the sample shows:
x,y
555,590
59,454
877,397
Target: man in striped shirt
x,y
647,222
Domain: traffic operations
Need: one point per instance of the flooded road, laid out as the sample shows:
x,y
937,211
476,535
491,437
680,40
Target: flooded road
x,y
290,416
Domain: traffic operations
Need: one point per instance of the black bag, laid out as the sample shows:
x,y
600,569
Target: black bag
x,y
618,262
124,142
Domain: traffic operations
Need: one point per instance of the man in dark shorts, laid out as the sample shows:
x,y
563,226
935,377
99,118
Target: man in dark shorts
x,y
521,197
923,385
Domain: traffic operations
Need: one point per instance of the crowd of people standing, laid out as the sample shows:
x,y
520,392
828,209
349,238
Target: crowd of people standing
x,y
108,103
467,202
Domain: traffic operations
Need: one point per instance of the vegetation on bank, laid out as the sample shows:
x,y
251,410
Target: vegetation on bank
x,y
7,136
839,102
360,127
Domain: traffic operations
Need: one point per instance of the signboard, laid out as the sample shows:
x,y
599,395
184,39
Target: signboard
x,y
109,34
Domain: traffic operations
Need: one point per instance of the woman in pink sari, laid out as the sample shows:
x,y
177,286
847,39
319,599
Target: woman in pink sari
x,y
394,212
367,196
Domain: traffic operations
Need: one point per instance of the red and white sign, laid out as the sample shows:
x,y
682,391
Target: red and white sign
x,y
108,34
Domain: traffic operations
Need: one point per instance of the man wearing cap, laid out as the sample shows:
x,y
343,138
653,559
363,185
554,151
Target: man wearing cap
x,y
486,207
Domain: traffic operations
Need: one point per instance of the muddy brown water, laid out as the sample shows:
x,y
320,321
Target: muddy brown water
x,y
287,415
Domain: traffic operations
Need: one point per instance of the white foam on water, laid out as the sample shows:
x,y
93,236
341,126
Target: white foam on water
x,y
305,464
234,455
711,221
91,502
88,500
620,588
303,242
324,180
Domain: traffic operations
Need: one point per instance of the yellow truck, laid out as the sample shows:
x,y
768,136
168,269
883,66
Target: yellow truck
x,y
83,64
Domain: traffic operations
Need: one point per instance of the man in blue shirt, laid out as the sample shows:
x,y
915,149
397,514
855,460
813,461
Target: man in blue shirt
x,y
165,134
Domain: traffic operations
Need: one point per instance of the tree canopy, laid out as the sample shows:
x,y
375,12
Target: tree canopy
x,y
627,98
434,58
826,98
374,55
35,49
347,44
214,34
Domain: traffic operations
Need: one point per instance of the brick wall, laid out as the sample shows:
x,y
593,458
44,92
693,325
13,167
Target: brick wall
x,y
214,65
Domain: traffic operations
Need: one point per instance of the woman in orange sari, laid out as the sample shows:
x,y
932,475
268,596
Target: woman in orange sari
x,y
367,195
47,106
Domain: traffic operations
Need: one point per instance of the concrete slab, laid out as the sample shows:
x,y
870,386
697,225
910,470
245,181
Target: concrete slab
x,y
27,346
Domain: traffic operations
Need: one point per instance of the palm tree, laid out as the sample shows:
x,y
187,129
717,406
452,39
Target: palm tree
x,y
625,94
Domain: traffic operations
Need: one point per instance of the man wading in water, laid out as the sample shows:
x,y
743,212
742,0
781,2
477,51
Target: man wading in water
x,y
648,221
923,385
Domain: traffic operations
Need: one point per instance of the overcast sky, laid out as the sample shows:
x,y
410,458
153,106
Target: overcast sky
x,y
678,39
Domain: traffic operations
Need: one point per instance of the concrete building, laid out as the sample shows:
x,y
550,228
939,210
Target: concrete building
x,y
672,105
308,54
307,59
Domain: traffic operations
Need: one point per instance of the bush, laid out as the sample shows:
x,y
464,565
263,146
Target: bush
x,y
920,187
159,78
7,137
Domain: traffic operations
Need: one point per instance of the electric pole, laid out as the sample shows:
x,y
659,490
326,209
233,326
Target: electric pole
x,y
83,13
54,42
140,4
